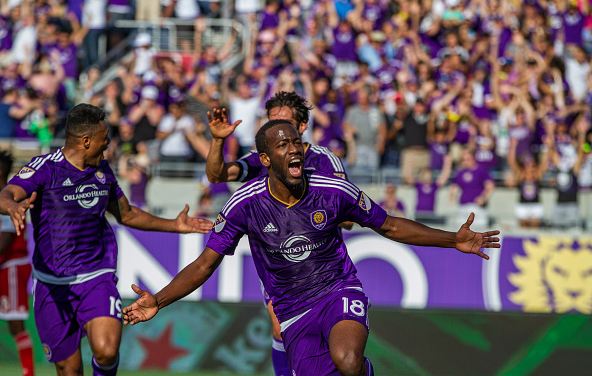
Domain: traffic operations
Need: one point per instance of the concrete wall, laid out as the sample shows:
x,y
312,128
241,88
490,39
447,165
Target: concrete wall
x,y
169,195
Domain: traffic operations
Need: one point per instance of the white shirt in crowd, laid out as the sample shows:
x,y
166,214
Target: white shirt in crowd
x,y
94,14
246,110
23,47
176,144
576,75
184,9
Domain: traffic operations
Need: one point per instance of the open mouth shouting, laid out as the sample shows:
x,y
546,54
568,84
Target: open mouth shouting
x,y
295,167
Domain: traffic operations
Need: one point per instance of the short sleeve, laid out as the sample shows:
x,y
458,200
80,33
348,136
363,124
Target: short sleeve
x,y
355,205
229,228
33,176
251,167
6,224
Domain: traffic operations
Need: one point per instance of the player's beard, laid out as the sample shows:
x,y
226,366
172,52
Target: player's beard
x,y
294,185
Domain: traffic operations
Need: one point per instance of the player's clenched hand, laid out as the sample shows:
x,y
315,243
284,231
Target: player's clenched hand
x,y
143,309
186,224
468,241
18,212
218,121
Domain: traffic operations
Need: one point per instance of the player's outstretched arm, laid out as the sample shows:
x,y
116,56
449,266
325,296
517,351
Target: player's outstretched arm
x,y
134,217
15,203
414,233
186,281
216,169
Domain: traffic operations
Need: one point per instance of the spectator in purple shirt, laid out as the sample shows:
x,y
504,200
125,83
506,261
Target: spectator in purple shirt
x,y
391,203
475,186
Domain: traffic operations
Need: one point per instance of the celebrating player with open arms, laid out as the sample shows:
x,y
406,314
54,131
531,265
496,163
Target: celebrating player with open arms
x,y
285,106
291,218
75,254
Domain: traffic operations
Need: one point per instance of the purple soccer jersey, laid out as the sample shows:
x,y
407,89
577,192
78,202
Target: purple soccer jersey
x,y
73,239
298,251
316,158
471,183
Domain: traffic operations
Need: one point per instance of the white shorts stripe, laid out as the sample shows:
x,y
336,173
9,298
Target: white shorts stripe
x,y
12,287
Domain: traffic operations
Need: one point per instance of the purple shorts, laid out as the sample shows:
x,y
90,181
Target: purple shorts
x,y
61,311
306,340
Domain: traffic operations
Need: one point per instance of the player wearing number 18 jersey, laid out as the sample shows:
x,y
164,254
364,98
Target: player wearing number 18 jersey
x,y
291,218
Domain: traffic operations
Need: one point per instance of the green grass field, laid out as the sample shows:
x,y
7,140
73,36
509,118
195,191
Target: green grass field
x,y
8,369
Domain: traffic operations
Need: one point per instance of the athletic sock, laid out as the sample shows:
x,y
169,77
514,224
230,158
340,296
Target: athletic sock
x,y
279,358
25,351
110,370
369,367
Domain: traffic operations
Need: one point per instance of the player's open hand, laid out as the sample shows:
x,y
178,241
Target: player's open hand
x,y
18,212
468,241
143,309
218,121
186,224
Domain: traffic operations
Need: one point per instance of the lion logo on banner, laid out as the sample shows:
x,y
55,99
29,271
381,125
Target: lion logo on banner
x,y
554,275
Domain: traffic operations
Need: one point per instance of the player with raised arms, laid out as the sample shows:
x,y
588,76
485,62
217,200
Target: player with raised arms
x,y
303,262
75,257
284,105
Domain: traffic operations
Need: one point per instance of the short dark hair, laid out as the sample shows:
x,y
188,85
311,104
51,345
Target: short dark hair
x,y
6,162
299,105
261,139
83,119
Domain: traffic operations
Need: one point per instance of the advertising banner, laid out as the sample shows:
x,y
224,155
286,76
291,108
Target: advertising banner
x,y
538,274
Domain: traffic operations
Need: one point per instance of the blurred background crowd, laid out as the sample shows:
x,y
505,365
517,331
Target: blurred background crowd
x,y
468,94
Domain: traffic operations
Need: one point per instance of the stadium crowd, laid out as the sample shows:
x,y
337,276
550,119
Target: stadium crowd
x,y
465,93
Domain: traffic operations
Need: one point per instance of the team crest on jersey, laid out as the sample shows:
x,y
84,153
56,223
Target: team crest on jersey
x,y
339,175
25,172
46,351
219,224
318,218
100,176
365,202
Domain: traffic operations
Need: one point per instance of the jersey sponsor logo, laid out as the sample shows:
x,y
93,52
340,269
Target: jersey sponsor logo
x,y
46,351
270,228
67,183
219,224
87,195
100,176
297,248
318,218
364,202
25,172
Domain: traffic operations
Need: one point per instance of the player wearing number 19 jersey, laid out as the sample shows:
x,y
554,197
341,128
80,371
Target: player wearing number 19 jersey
x,y
75,254
291,218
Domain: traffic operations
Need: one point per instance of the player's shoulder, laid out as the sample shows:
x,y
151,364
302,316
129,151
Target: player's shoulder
x,y
329,183
48,159
250,156
245,194
39,163
328,158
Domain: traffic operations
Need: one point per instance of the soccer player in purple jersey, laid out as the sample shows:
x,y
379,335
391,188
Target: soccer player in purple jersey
x,y
75,253
291,217
286,106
